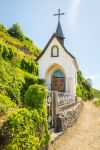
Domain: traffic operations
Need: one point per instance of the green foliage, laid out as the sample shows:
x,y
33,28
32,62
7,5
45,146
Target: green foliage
x,y
29,80
3,28
14,93
96,93
16,31
89,81
18,40
41,81
22,61
35,96
97,102
7,52
15,81
27,130
83,89
5,103
78,90
29,66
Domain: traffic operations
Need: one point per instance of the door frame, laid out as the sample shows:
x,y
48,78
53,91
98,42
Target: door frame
x,y
58,77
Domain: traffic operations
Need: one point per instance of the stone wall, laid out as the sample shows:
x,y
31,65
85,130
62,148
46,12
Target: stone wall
x,y
68,117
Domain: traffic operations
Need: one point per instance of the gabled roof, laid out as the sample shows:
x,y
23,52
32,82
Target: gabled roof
x,y
54,35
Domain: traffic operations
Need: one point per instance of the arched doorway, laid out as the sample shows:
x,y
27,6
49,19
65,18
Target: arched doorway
x,y
58,81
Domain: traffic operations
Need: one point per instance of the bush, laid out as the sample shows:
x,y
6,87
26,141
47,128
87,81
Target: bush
x,y
97,102
13,93
29,80
5,103
35,96
41,81
16,31
7,52
26,130
96,93
29,66
3,109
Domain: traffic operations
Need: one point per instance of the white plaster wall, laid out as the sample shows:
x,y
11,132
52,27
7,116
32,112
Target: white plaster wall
x,y
64,61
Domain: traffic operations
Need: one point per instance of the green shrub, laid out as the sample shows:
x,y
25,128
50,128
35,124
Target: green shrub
x,y
16,61
97,102
16,31
5,103
26,130
96,93
29,80
3,109
78,91
35,96
41,81
13,93
7,52
29,66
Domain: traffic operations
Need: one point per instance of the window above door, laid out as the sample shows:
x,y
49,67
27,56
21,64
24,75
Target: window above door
x,y
55,51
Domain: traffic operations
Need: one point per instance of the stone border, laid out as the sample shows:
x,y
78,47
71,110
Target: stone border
x,y
66,119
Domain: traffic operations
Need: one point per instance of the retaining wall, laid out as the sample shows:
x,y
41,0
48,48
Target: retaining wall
x,y
68,117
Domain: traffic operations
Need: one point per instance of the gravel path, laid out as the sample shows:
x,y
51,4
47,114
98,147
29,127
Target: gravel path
x,y
85,135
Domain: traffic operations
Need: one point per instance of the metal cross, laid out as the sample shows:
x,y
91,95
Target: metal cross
x,y
59,14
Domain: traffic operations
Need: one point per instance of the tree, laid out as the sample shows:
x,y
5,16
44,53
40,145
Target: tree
x,y
89,81
16,31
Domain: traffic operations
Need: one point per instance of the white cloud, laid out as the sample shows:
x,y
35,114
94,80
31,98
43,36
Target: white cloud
x,y
73,13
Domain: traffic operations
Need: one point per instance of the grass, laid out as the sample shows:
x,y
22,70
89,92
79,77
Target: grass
x,y
96,102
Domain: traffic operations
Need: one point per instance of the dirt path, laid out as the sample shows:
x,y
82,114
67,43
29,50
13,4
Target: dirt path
x,y
85,135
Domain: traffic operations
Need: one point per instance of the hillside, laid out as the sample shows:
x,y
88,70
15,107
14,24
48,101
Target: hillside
x,y
84,89
18,70
23,44
18,76
96,93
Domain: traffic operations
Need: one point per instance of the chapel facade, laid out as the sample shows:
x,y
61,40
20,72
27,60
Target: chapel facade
x,y
57,66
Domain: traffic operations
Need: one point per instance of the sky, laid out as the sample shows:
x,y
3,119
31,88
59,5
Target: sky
x,y
80,24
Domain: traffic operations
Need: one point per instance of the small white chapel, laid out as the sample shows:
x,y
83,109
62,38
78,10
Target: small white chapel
x,y
57,66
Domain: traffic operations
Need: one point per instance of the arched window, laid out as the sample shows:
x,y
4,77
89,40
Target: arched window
x,y
55,51
58,74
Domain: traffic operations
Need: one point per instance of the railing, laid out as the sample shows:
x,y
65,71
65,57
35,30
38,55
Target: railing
x,y
50,109
65,98
57,101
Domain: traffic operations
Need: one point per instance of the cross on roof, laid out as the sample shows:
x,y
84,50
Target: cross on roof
x,y
59,14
